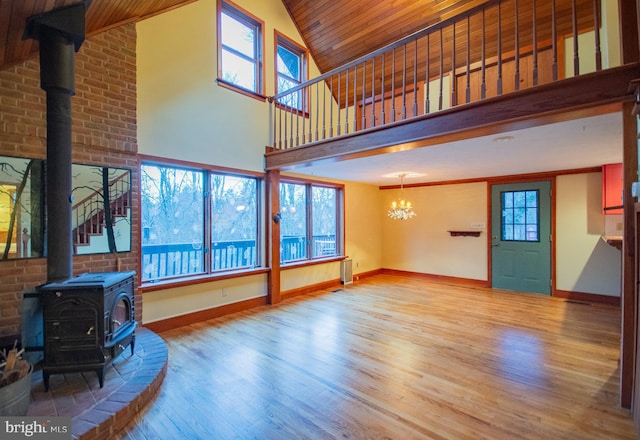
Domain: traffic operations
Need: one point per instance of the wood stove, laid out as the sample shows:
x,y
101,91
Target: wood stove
x,y
88,321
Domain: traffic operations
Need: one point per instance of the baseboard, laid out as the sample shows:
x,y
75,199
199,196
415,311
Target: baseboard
x,y
360,275
436,278
203,315
325,285
587,297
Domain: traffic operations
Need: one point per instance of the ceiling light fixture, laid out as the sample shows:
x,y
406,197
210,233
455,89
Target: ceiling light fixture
x,y
401,210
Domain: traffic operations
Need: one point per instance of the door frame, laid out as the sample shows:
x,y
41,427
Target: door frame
x,y
551,178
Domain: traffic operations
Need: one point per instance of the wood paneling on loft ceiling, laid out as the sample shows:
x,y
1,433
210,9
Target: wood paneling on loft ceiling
x,y
339,31
335,31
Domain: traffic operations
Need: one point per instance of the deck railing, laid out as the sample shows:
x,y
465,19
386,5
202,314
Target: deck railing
x,y
161,261
490,50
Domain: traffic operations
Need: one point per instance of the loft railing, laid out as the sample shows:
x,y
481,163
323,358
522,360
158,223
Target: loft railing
x,y
496,48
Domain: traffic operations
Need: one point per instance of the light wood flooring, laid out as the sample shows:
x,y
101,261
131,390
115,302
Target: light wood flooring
x,y
395,358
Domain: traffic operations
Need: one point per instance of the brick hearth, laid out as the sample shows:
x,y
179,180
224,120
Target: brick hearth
x,y
97,413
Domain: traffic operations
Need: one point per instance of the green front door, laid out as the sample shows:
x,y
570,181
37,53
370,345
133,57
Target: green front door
x,y
521,237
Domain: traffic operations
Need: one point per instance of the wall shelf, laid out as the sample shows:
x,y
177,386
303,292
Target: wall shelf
x,y
465,233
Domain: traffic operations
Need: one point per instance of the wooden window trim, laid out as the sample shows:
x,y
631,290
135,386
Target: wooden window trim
x,y
340,221
208,275
280,39
259,94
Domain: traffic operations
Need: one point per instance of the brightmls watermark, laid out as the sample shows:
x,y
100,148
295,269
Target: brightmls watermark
x,y
42,428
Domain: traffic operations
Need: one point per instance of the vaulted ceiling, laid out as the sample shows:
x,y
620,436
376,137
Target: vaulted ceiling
x,y
335,31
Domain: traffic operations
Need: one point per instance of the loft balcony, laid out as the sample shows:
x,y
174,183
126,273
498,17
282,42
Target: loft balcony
x,y
505,64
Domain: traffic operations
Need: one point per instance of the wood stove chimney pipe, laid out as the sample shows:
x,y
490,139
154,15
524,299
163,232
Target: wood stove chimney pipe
x,y
60,33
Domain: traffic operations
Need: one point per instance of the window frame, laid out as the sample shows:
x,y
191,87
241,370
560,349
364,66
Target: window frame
x,y
340,236
245,17
208,273
302,52
526,224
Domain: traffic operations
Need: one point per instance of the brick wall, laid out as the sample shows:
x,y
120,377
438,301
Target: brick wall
x,y
104,133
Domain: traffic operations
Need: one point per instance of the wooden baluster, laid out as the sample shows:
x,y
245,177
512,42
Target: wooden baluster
x,y
382,75
535,45
516,47
373,88
355,89
404,81
304,110
364,81
574,24
331,109
415,78
554,44
317,107
499,83
426,79
596,22
346,102
454,80
272,111
324,109
339,105
286,133
441,68
393,85
298,104
291,144
468,90
483,72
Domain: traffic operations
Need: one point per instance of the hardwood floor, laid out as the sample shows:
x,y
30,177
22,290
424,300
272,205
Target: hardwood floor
x,y
395,358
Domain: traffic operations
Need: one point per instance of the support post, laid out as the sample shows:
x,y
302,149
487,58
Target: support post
x,y
273,220
629,258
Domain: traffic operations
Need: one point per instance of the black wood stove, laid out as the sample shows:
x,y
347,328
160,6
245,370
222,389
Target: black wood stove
x,y
88,321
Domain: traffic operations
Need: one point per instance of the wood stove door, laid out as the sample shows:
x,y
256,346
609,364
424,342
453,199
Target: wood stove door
x,y
74,332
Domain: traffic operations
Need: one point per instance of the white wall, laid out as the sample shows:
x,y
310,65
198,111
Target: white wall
x,y
422,244
585,262
183,114
177,301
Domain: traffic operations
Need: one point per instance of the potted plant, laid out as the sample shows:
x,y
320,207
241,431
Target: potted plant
x,y
15,383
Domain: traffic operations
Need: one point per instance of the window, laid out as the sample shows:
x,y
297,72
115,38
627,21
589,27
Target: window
x,y
520,216
291,70
310,221
240,48
234,213
197,221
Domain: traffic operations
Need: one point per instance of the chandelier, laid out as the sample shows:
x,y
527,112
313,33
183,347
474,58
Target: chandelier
x,y
401,210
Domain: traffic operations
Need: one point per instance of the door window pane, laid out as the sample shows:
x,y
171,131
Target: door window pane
x,y
520,215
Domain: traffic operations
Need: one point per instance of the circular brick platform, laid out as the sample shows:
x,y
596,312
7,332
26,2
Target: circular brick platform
x,y
97,413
